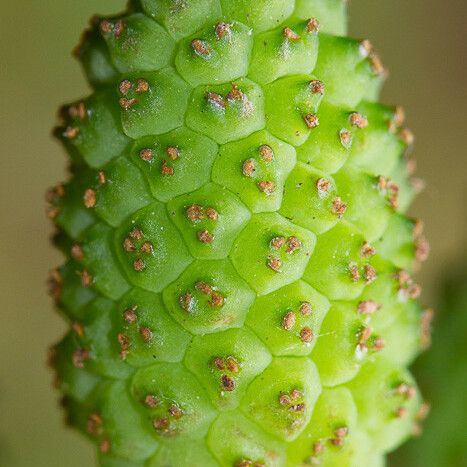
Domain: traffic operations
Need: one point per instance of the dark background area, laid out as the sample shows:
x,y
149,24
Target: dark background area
x,y
422,42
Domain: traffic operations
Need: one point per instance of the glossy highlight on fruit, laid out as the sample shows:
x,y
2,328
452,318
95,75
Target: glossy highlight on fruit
x,y
238,275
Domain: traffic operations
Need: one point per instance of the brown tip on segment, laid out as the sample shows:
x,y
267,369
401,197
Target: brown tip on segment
x,y
376,64
219,363
312,25
407,136
354,273
369,273
77,252
89,198
195,212
318,447
124,341
293,244
212,214
232,365
175,411
401,412
228,383
378,344
205,237
86,279
338,207
341,432
337,441
105,446
146,334
311,120
71,132
418,228
142,86
277,243
306,309
166,169
323,186
366,47
266,187
94,424
297,408
266,153
368,307
222,29
285,399
399,116
147,248
146,155
78,328
130,316
161,424
425,327
423,411
288,321
106,26
128,245
215,99
139,265
80,356
125,86
291,35
317,86
151,401
217,300
203,287
358,120
346,138
101,178
52,212
186,301
200,48
363,337
367,250
274,263
422,249
54,283
236,94
306,335
173,153
126,104
249,167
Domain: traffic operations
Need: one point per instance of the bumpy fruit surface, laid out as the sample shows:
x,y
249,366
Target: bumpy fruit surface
x,y
238,275
442,374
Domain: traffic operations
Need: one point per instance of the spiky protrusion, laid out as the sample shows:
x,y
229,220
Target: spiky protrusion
x,y
238,274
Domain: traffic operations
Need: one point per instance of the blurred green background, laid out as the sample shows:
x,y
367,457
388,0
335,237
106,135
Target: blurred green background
x,y
422,42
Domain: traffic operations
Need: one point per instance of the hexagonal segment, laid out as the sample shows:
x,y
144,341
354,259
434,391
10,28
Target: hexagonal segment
x,y
367,205
348,67
337,267
309,198
217,54
182,18
92,128
147,334
209,220
289,50
152,102
225,363
136,43
289,320
282,398
234,439
209,297
395,402
175,163
150,248
100,268
329,145
260,15
173,401
331,15
272,252
344,344
227,112
116,191
329,439
291,107
96,346
255,169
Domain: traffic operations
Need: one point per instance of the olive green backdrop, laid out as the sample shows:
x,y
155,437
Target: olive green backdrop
x,y
423,43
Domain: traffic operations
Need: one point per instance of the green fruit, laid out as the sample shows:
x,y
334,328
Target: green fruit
x,y
238,266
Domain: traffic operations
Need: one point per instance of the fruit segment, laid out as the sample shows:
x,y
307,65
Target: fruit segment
x,y
238,278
